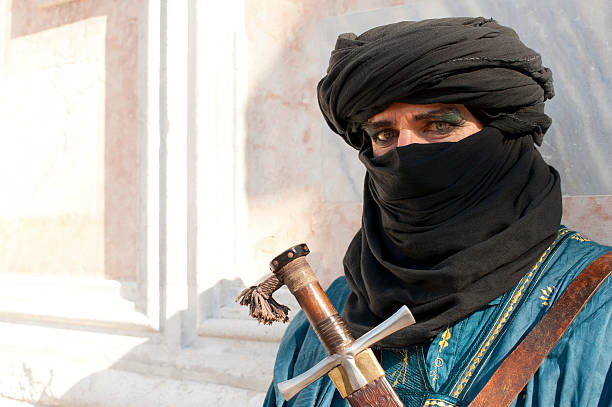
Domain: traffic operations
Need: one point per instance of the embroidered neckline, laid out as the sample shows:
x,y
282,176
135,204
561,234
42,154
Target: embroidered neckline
x,y
438,403
518,293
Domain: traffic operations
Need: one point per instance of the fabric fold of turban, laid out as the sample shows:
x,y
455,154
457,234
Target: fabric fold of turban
x,y
472,61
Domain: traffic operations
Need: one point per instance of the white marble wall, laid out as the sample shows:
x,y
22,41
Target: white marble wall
x,y
169,149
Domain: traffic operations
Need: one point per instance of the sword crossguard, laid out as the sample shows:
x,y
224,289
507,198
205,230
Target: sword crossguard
x,y
346,358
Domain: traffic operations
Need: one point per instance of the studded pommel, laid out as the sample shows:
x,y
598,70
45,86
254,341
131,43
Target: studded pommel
x,y
288,256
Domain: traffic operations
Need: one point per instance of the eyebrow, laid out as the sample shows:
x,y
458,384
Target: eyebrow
x,y
436,114
433,114
377,124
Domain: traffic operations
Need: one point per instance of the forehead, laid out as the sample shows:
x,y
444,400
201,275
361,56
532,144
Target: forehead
x,y
405,111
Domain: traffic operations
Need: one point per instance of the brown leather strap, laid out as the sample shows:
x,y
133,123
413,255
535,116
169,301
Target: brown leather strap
x,y
517,369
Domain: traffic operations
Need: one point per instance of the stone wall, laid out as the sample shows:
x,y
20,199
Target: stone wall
x,y
157,154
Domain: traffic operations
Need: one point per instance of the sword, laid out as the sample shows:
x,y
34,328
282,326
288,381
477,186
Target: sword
x,y
351,364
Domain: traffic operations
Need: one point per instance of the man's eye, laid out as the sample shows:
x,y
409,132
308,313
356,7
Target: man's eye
x,y
384,136
443,127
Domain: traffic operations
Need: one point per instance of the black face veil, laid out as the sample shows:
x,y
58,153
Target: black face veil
x,y
446,227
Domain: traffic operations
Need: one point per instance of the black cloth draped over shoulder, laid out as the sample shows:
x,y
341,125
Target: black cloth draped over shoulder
x,y
446,227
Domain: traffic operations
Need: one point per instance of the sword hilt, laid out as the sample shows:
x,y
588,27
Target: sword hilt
x,y
292,268
351,364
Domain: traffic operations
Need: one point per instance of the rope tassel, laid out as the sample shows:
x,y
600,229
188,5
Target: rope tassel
x,y
261,305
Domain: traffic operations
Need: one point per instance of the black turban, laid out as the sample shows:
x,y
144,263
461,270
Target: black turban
x,y
471,61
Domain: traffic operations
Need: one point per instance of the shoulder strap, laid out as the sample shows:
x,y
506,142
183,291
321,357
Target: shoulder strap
x,y
517,369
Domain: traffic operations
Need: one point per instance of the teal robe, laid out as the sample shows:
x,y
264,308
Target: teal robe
x,y
453,368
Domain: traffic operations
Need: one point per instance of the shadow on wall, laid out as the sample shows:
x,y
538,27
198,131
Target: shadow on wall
x,y
211,371
120,124
175,367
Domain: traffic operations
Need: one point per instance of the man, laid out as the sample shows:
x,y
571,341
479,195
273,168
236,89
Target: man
x,y
461,219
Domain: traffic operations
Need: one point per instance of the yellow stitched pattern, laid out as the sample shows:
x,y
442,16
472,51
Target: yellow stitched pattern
x,y
401,371
439,362
502,322
438,403
545,297
421,370
580,238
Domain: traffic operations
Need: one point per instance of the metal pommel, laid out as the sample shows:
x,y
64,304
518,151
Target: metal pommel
x,y
288,256
259,299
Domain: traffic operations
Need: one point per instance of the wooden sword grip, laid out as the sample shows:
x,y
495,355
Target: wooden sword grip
x,y
333,332
293,269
